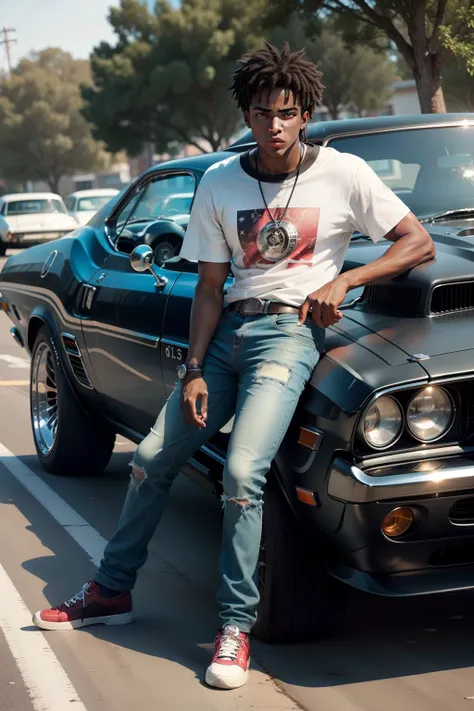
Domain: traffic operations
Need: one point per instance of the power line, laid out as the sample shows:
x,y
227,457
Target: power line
x,y
7,41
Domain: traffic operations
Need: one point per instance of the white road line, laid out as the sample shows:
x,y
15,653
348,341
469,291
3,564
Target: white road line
x,y
87,537
15,361
48,685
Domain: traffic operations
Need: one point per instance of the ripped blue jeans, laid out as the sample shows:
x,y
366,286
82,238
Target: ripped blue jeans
x,y
257,368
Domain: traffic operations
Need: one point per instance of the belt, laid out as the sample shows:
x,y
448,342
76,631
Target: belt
x,y
252,307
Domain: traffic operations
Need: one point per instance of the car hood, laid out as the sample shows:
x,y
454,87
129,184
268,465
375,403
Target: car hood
x,y
40,221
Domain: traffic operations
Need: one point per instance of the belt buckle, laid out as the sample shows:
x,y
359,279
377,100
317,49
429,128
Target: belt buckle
x,y
252,307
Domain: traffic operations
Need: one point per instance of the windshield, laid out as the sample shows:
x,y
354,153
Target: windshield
x,y
93,203
430,169
33,206
177,205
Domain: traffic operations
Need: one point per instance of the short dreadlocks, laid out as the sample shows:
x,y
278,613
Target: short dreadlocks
x,y
268,68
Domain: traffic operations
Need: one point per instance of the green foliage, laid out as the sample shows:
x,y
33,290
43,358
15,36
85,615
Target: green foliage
x,y
459,86
357,79
166,79
424,33
43,134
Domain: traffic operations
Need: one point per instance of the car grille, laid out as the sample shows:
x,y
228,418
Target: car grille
x,y
447,298
462,512
75,360
392,296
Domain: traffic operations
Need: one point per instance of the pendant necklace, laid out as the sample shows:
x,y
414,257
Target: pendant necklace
x,y
277,239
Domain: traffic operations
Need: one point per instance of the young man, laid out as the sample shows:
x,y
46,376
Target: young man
x,y
281,217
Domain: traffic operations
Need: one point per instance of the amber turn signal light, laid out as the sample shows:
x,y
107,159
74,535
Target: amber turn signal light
x,y
398,522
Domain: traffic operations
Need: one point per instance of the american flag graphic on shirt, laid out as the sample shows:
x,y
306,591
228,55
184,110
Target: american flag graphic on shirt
x,y
257,250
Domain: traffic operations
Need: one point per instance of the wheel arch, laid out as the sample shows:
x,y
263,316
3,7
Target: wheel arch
x,y
38,318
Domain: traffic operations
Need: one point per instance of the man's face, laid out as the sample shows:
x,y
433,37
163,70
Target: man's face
x,y
275,125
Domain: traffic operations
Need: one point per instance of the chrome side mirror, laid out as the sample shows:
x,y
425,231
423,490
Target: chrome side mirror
x,y
142,259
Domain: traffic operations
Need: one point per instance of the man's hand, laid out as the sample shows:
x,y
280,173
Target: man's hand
x,y
194,390
324,302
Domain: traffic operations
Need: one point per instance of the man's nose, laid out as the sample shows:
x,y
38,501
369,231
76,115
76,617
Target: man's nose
x,y
275,125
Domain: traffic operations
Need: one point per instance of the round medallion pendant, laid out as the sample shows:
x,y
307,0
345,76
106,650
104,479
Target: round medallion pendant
x,y
277,241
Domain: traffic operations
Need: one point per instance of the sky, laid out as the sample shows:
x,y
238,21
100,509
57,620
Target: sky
x,y
74,25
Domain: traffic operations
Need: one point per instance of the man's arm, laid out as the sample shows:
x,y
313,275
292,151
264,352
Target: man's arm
x,y
412,245
205,314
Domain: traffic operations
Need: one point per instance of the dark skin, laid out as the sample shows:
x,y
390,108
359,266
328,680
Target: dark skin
x,y
276,126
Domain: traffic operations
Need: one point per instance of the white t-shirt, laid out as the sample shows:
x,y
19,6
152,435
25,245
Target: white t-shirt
x,y
336,194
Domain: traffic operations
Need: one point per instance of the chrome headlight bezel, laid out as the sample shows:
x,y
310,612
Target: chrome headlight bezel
x,y
451,420
401,427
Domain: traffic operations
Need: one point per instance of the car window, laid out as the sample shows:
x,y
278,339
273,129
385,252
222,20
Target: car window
x,y
166,196
94,202
32,206
430,169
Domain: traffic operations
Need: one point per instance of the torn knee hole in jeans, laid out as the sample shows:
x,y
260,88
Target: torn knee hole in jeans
x,y
138,474
243,503
274,370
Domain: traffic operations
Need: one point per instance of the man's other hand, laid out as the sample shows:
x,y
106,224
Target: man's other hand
x,y
194,398
324,303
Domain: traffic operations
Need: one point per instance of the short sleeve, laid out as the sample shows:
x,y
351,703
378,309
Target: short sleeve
x,y
204,240
374,208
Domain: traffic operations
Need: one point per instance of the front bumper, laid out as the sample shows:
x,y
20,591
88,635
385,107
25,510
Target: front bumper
x,y
437,553
431,477
17,239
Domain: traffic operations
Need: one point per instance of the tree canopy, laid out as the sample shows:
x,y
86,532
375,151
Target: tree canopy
x,y
166,79
43,134
356,80
425,33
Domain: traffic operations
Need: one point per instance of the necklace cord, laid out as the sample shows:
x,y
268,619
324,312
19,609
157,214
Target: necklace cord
x,y
278,222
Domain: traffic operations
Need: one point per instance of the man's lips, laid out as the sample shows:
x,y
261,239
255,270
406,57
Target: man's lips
x,y
276,142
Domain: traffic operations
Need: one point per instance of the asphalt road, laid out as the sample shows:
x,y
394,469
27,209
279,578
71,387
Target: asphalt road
x,y
413,654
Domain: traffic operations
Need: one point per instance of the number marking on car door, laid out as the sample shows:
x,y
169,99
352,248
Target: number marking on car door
x,y
174,353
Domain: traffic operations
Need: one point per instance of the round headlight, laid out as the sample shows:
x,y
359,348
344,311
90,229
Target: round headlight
x,y
430,414
382,423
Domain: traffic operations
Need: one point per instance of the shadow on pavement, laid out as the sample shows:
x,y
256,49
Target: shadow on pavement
x,y
175,609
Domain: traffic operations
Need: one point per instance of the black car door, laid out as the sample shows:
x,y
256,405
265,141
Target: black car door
x,y
123,326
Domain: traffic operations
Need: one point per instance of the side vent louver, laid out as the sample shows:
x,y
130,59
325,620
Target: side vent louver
x,y
447,298
75,360
393,297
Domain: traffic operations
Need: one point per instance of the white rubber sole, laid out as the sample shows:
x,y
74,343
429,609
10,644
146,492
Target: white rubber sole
x,y
122,619
226,682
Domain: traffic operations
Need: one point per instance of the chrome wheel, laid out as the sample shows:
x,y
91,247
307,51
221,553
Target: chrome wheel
x,y
44,398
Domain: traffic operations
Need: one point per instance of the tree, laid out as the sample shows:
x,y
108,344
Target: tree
x,y
425,33
43,135
459,86
166,80
357,80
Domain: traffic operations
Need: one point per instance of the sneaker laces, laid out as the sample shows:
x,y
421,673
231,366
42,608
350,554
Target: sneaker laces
x,y
80,596
229,647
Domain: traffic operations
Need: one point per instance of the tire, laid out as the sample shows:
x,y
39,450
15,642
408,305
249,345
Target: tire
x,y
3,249
299,600
72,444
165,247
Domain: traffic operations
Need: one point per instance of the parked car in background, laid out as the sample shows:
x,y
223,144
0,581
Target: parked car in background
x,y
83,204
29,218
373,485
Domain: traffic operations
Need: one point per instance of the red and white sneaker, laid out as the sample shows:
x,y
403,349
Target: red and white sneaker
x,y
229,668
88,607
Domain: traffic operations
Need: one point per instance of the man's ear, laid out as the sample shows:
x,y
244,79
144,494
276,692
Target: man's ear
x,y
247,118
305,118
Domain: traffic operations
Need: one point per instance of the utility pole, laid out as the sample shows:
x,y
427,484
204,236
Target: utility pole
x,y
7,41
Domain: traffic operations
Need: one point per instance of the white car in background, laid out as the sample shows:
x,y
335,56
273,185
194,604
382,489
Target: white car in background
x,y
83,204
31,218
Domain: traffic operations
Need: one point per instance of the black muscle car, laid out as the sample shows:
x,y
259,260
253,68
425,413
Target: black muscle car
x,y
374,483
